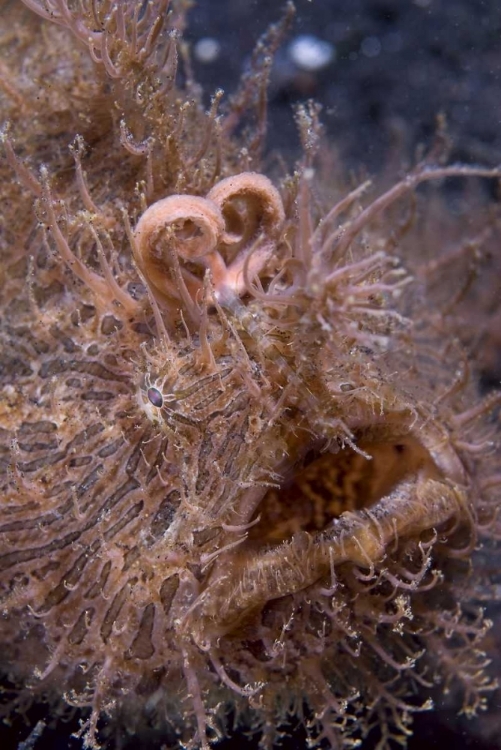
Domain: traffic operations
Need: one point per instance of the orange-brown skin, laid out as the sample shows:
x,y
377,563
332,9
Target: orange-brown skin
x,y
241,461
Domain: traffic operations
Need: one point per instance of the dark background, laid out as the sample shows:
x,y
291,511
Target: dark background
x,y
435,56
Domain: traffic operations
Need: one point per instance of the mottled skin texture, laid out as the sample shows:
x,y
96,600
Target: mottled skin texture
x,y
258,483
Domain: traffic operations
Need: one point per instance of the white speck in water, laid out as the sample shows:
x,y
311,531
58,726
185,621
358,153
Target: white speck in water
x,y
310,53
207,50
371,46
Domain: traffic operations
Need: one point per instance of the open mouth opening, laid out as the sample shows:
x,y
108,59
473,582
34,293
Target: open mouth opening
x,y
325,485
350,506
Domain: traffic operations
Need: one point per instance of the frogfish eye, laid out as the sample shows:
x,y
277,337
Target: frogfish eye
x,y
155,397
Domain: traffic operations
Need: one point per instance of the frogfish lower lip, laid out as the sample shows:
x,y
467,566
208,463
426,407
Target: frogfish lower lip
x,y
242,584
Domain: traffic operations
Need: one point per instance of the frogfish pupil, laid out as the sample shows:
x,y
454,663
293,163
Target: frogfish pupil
x,y
155,397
